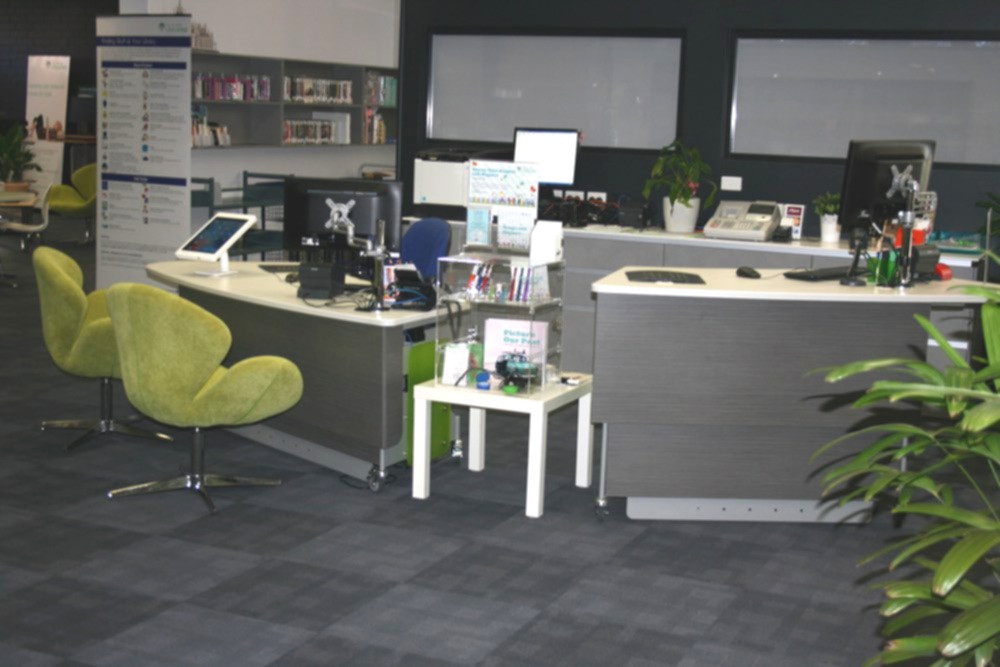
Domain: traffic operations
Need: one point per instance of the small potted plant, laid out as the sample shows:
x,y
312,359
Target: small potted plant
x,y
681,171
827,207
15,159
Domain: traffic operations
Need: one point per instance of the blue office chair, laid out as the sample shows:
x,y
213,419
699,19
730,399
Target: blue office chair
x,y
424,242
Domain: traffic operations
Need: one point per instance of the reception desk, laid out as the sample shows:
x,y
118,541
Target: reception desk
x,y
705,393
350,417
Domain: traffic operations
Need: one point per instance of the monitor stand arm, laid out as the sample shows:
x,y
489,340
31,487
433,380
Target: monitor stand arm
x,y
860,242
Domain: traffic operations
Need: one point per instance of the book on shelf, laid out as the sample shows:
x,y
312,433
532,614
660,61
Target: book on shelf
x,y
233,87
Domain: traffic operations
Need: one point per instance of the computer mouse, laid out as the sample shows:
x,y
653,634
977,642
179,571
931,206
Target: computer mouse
x,y
747,272
292,278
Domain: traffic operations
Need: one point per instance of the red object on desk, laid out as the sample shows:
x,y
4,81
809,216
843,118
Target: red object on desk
x,y
943,271
919,236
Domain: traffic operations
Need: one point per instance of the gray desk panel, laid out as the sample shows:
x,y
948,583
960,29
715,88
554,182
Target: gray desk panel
x,y
707,461
578,340
610,255
353,374
712,257
736,362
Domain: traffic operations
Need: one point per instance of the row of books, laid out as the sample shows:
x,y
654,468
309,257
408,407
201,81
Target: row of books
x,y
204,134
242,87
381,89
318,91
334,130
375,131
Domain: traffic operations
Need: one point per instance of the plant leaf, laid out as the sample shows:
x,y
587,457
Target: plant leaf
x,y
981,417
928,541
910,617
932,331
984,653
968,517
961,557
908,648
970,628
920,369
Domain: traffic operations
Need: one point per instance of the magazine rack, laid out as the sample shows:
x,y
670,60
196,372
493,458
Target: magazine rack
x,y
503,330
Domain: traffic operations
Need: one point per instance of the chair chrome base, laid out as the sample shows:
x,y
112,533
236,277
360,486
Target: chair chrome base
x,y
106,424
196,480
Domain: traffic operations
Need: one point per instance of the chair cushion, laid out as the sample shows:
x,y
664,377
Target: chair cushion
x,y
424,243
76,327
171,352
80,199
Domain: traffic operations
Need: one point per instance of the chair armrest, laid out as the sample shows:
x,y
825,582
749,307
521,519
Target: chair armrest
x,y
250,391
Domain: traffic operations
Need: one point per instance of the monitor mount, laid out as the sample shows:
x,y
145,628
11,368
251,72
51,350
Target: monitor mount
x,y
904,183
340,223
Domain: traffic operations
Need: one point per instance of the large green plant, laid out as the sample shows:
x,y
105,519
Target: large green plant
x,y
15,156
680,170
946,611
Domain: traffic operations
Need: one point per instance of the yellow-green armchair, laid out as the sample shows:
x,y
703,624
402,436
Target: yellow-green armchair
x,y
170,351
78,335
78,200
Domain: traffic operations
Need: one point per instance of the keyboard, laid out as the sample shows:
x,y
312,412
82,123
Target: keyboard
x,y
280,268
656,276
827,273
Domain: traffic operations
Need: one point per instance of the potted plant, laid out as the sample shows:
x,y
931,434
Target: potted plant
x,y
681,171
15,159
945,472
827,207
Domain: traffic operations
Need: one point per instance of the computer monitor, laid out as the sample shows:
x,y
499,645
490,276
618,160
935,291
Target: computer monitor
x,y
868,178
554,151
306,211
212,242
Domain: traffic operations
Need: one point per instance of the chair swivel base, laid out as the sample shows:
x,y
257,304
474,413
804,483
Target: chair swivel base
x,y
96,427
193,482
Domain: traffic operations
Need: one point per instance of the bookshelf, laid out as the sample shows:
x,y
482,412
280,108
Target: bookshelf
x,y
253,101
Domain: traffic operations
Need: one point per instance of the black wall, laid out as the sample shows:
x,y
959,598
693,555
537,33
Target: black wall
x,y
51,28
708,27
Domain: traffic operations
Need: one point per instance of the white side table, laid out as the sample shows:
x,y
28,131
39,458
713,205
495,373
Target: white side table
x,y
537,406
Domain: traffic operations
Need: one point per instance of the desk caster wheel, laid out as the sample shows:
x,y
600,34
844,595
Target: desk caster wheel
x,y
376,479
601,510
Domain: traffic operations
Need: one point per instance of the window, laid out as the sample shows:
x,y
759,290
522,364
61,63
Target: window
x,y
620,92
810,97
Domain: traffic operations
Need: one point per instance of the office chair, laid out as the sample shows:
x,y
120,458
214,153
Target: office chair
x,y
171,351
78,335
424,243
78,200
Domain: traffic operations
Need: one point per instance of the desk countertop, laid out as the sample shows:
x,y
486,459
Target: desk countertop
x,y
773,286
252,284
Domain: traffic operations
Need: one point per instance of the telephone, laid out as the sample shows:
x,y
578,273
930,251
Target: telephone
x,y
744,220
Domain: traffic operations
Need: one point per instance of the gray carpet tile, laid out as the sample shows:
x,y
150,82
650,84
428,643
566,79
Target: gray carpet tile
x,y
15,578
460,628
152,514
328,650
368,549
62,615
293,594
322,494
48,489
252,528
166,568
497,573
186,635
52,545
556,639
446,515
12,655
495,484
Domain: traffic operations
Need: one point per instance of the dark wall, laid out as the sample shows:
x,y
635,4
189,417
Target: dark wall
x,y
708,27
46,27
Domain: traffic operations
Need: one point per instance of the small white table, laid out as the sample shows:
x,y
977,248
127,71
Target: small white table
x,y
537,406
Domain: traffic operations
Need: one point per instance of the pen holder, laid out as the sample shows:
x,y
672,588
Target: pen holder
x,y
882,269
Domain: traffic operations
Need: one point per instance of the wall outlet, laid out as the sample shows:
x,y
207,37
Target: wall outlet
x,y
598,196
731,183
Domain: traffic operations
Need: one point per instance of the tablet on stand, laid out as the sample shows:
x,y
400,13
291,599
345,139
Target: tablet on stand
x,y
212,242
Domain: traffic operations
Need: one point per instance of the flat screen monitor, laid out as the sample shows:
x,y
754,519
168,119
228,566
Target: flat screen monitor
x,y
305,203
554,151
212,242
868,178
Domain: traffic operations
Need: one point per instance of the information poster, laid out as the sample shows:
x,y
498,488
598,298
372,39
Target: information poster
x,y
45,108
510,191
143,143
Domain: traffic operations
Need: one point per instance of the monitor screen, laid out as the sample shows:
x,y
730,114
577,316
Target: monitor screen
x,y
868,178
306,211
554,151
216,236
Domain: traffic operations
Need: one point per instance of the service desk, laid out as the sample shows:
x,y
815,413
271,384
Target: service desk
x,y
708,407
350,417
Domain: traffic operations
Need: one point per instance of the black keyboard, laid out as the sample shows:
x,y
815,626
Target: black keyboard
x,y
280,268
826,273
655,276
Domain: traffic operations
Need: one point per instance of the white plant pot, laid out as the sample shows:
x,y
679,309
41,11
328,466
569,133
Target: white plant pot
x,y
681,218
829,230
